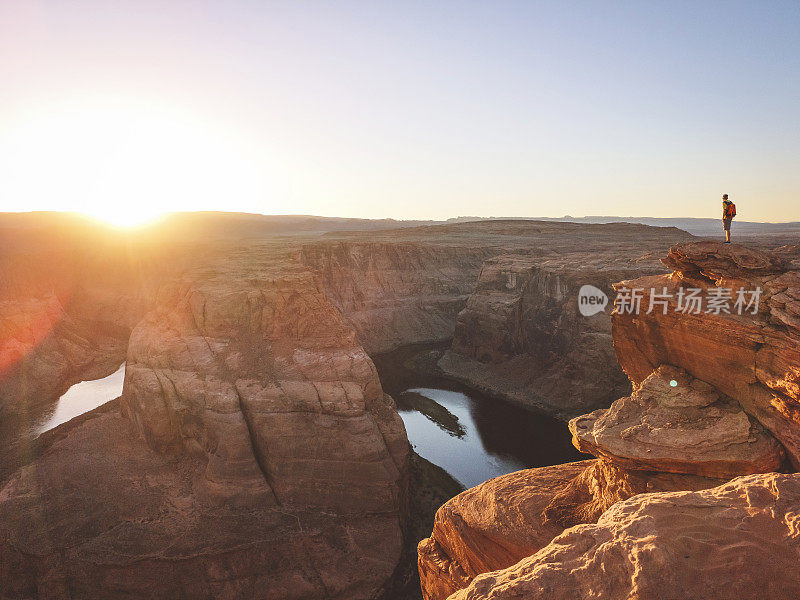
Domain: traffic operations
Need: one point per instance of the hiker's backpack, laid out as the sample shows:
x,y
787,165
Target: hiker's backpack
x,y
730,211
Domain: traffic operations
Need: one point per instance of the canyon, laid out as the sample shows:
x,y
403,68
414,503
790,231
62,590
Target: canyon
x,y
254,452
691,492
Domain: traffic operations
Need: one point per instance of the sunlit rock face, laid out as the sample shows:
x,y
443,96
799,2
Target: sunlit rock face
x,y
489,527
754,358
506,519
602,484
253,454
715,396
738,540
677,424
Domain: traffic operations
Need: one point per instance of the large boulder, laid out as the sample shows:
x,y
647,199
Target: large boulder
x,y
677,424
739,540
489,527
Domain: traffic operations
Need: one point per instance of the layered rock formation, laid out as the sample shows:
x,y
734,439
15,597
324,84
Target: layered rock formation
x,y
753,357
738,540
676,424
714,394
253,454
397,292
521,335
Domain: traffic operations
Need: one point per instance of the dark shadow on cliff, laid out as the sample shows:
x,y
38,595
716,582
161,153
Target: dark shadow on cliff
x,y
429,487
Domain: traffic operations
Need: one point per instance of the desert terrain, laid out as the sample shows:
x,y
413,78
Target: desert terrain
x,y
255,453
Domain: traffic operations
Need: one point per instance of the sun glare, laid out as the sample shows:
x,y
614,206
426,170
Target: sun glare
x,y
124,163
124,218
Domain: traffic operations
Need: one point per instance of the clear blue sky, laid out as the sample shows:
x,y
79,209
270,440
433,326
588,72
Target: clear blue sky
x,y
402,109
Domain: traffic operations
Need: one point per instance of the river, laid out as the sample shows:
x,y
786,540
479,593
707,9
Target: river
x,y
81,398
470,435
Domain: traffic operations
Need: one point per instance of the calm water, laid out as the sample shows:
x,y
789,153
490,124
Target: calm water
x,y
83,397
472,436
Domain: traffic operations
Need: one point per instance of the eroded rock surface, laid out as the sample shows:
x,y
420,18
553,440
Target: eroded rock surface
x,y
752,357
489,527
677,424
521,334
508,518
602,484
398,292
258,457
738,540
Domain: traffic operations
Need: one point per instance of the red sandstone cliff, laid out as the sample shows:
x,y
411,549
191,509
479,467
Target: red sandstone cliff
x,y
521,336
715,396
397,292
253,454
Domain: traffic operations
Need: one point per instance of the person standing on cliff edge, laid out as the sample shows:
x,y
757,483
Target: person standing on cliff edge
x,y
728,212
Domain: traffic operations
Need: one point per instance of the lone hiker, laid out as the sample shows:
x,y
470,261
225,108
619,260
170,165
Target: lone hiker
x,y
728,212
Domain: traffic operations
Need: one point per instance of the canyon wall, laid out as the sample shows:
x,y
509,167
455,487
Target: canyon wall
x,y
253,454
714,399
397,293
504,291
521,335
68,300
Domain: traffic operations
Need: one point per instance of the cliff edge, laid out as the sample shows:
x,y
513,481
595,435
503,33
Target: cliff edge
x,y
691,493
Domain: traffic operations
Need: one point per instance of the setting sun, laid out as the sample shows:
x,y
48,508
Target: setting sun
x,y
124,162
124,216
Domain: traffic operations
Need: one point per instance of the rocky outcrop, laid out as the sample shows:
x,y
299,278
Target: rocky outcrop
x,y
395,293
738,540
504,520
490,527
603,484
253,454
752,357
677,424
521,335
713,391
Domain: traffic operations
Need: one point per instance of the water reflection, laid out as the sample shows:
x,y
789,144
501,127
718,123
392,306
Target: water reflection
x,y
417,400
83,397
477,439
472,436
